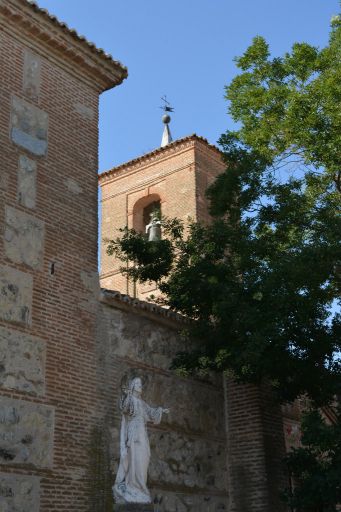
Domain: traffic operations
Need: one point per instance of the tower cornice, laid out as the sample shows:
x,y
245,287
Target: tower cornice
x,y
156,155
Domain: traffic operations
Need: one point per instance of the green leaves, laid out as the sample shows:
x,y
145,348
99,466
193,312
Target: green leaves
x,y
149,261
256,55
291,104
316,465
302,62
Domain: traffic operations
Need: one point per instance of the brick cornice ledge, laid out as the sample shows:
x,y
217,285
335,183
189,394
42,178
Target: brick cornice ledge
x,y
157,154
144,308
100,68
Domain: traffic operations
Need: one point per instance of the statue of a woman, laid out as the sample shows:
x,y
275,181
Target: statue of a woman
x,y
131,480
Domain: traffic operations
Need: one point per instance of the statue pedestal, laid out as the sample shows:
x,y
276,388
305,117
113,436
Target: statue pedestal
x,y
134,507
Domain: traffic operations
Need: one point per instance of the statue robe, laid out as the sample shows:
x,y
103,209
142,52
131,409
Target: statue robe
x,y
131,480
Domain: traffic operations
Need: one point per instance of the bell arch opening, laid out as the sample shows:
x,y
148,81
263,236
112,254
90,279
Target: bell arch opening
x,y
143,209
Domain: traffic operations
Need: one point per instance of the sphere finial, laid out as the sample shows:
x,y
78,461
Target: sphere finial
x,y
166,118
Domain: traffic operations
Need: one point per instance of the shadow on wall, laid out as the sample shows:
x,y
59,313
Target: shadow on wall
x,y
99,473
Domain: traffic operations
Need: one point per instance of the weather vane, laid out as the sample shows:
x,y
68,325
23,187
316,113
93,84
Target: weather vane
x,y
166,106
166,118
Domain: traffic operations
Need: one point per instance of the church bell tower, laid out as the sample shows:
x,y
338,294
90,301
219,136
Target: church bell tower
x,y
172,179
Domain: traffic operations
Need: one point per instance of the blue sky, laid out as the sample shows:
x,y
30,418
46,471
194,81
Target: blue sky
x,y
184,49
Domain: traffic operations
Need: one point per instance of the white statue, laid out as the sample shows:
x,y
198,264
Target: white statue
x,y
131,480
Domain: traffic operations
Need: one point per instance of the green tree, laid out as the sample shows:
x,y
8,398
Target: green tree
x,y
316,466
262,281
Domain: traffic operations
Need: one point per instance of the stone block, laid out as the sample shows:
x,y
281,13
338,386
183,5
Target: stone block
x,y
179,395
134,507
3,180
22,362
27,182
179,502
195,502
73,186
90,281
15,295
29,126
31,76
85,112
23,238
137,339
26,433
184,461
19,493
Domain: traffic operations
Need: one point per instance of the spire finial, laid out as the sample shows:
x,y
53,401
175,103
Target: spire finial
x,y
166,136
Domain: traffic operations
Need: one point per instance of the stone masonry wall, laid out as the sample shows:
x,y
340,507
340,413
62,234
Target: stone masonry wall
x,y
188,449
48,254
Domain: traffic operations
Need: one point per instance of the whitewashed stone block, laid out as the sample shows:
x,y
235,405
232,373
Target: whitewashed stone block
x,y
26,433
27,182
85,112
19,493
22,362
73,186
31,76
3,180
29,126
23,238
15,295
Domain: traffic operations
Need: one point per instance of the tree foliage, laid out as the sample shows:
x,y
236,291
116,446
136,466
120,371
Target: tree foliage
x,y
316,466
262,280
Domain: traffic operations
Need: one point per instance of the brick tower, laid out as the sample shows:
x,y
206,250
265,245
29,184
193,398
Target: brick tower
x,y
50,82
173,178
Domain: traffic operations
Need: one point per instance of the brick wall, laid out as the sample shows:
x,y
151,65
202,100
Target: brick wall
x,y
256,449
63,354
208,165
48,259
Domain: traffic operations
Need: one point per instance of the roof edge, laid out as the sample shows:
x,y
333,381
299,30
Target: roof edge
x,y
159,151
100,67
148,309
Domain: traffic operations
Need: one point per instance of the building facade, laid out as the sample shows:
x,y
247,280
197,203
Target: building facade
x,y
66,346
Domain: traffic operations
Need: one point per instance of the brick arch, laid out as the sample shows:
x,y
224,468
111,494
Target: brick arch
x,y
139,222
